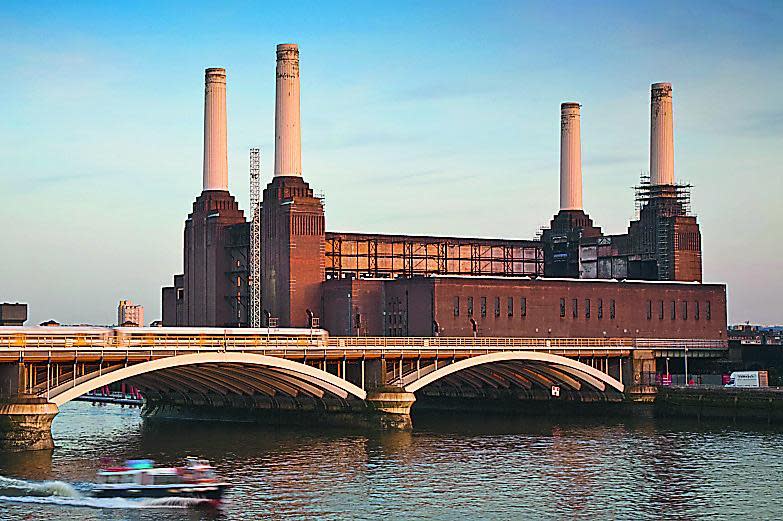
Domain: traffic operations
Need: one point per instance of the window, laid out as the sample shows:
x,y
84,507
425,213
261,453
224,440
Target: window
x,y
600,308
470,306
510,306
674,310
611,309
696,310
562,307
456,306
708,310
483,307
649,309
497,307
685,310
660,311
523,306
575,304
587,308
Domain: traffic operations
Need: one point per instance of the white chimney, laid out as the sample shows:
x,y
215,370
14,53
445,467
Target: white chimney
x,y
661,135
215,140
570,158
288,134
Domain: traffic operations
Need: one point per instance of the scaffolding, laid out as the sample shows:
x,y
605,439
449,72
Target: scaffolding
x,y
255,238
669,200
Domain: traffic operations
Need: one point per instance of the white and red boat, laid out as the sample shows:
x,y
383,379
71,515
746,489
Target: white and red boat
x,y
142,479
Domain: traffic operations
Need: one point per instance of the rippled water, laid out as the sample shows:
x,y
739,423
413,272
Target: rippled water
x,y
448,468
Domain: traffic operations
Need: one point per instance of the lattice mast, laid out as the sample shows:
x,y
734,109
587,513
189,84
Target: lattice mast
x,y
255,238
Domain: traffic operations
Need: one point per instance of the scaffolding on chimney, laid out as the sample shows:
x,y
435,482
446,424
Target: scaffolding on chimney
x,y
255,238
661,204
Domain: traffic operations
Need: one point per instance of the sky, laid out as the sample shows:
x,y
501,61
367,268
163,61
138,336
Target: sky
x,y
437,118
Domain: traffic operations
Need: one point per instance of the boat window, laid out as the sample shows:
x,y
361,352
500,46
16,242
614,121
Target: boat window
x,y
167,479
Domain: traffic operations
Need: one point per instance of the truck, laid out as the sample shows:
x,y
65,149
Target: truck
x,y
748,379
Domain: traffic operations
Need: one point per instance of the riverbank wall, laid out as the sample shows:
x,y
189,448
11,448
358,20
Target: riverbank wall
x,y
720,403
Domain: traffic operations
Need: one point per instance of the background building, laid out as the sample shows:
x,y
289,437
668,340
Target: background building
x,y
13,314
130,313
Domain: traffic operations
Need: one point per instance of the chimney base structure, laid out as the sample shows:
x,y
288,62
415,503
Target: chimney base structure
x,y
293,242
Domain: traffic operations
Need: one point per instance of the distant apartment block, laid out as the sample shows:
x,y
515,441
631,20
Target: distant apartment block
x,y
129,314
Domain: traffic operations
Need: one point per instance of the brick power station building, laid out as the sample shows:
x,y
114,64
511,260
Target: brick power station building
x,y
571,281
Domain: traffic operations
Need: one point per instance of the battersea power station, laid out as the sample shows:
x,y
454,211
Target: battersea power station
x,y
281,267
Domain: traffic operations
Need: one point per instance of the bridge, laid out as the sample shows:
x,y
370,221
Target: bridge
x,y
306,373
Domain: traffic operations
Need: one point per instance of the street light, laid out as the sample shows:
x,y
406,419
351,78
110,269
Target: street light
x,y
686,365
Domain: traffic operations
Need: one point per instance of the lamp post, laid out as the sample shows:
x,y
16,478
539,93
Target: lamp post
x,y
686,365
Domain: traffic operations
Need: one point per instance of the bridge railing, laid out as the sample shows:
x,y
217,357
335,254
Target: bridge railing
x,y
520,343
281,341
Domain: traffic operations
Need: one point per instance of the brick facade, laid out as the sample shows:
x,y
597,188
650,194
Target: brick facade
x,y
508,307
292,262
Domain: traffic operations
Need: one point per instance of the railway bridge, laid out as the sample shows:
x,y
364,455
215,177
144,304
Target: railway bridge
x,y
305,373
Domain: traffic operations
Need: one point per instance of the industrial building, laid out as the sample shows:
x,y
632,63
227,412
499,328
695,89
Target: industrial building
x,y
283,268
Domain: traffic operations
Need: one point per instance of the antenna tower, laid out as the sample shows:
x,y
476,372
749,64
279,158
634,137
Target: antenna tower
x,y
255,239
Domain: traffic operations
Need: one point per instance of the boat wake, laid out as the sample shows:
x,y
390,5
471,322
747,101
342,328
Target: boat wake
x,y
65,494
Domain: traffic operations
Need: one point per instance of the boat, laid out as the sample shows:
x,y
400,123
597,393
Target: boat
x,y
142,479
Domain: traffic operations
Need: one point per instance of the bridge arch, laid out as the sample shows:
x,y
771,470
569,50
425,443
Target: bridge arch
x,y
281,374
541,367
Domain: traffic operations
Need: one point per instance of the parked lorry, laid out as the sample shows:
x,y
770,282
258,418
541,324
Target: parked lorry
x,y
748,379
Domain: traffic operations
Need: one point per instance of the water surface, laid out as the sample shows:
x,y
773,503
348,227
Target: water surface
x,y
449,467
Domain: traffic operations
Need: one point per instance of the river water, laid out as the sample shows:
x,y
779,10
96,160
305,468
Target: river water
x,y
447,468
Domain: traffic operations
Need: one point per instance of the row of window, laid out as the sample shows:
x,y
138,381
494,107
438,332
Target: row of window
x,y
520,304
510,306
695,309
599,311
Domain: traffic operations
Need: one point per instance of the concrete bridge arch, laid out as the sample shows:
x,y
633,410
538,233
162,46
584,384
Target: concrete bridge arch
x,y
521,367
279,375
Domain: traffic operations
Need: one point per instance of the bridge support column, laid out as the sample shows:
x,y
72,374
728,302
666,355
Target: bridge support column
x,y
26,424
390,408
643,386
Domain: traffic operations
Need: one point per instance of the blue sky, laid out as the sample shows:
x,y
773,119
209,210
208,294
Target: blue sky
x,y
417,117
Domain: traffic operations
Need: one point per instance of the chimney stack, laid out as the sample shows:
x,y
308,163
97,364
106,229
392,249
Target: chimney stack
x,y
570,158
288,135
661,135
215,146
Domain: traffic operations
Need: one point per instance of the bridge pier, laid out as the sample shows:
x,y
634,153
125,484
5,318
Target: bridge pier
x,y
26,424
390,408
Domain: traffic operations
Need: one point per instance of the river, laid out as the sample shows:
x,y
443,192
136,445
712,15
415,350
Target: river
x,y
447,468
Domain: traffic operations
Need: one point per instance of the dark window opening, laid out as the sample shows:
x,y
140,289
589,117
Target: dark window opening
x,y
497,307
674,310
587,308
685,310
562,307
600,308
483,307
696,310
660,311
649,309
470,306
510,306
708,310
612,309
575,304
523,306
456,306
